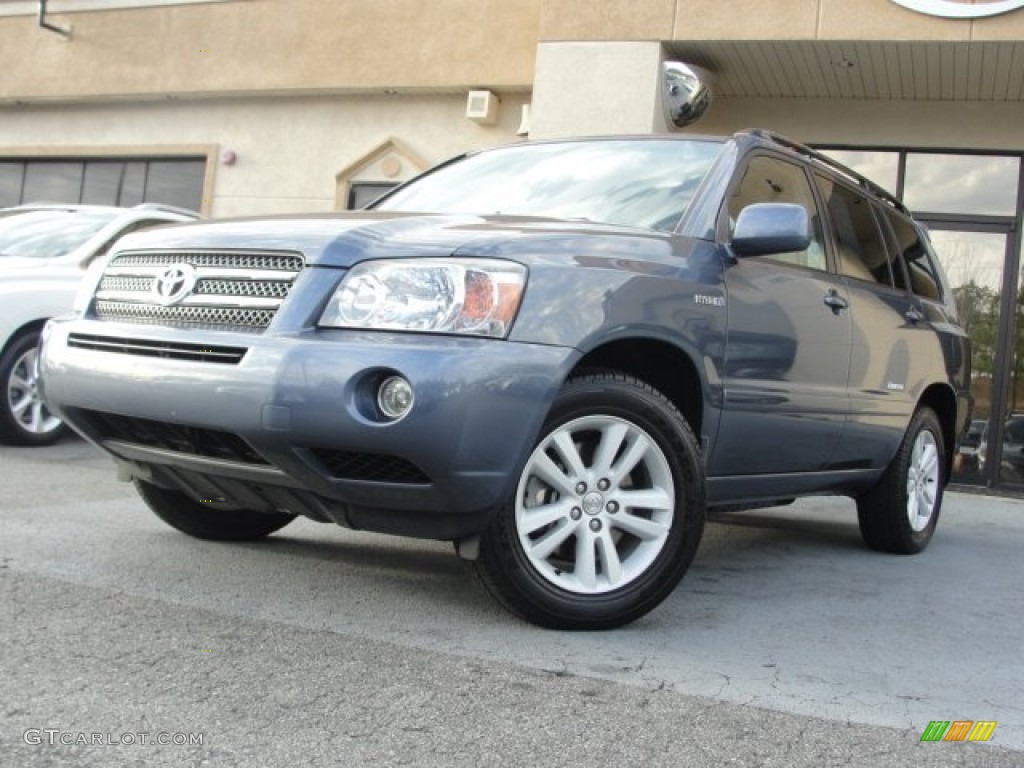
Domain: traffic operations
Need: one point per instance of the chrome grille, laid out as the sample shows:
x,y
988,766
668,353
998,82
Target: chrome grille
x,y
111,283
243,289
154,313
285,262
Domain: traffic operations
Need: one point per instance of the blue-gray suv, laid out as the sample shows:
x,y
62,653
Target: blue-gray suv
x,y
558,355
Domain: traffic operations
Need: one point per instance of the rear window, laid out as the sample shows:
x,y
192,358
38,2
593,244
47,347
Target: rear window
x,y
925,278
862,252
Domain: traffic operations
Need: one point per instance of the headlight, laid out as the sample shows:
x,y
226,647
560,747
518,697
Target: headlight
x,y
471,296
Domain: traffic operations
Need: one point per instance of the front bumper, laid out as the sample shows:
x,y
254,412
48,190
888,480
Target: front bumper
x,y
288,426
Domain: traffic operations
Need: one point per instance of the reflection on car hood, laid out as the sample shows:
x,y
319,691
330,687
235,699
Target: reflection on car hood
x,y
343,239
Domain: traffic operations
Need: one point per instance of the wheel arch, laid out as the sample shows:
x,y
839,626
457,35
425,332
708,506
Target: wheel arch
x,y
30,326
941,399
663,365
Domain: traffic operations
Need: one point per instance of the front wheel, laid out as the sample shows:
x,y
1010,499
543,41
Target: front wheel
x,y
207,522
608,511
24,417
900,513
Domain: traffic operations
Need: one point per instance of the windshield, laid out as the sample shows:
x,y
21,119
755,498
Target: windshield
x,y
639,183
49,234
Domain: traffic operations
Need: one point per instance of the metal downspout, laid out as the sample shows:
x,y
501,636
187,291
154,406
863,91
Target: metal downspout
x,y
44,24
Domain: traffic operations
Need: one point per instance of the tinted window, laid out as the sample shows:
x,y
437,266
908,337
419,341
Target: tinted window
x,y
53,182
925,278
861,250
362,193
176,182
883,168
104,182
10,183
984,184
770,180
897,239
916,254
638,183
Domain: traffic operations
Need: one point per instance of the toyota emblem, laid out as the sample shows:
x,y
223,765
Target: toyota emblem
x,y
174,283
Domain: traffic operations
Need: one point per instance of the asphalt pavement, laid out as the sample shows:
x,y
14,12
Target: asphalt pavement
x,y
787,644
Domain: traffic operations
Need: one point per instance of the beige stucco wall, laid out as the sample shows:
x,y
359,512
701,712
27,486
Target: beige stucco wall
x,y
272,45
288,149
585,88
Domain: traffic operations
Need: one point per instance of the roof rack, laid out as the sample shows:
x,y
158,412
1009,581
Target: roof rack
x,y
835,165
166,209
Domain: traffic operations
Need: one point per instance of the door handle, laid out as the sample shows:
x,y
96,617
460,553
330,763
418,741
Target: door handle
x,y
835,302
914,315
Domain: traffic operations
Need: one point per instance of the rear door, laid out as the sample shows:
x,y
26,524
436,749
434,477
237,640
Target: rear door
x,y
885,327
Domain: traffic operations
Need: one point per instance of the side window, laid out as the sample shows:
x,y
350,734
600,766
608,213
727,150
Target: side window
x,y
769,180
861,250
924,279
887,219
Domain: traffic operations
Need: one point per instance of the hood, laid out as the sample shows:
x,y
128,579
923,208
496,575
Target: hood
x,y
342,240
23,265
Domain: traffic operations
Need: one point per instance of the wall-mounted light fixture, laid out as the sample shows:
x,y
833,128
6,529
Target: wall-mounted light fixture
x,y
482,107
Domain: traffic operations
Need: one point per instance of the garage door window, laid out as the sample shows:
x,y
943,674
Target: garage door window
x,y
172,181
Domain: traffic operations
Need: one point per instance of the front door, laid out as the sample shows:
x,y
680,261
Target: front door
x,y
787,355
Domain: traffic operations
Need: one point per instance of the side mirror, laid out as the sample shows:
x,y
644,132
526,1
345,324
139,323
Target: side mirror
x,y
766,228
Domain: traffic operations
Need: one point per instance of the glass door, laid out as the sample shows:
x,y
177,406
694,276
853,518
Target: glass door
x,y
974,261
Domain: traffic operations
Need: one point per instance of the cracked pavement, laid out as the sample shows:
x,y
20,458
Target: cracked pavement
x,y
787,644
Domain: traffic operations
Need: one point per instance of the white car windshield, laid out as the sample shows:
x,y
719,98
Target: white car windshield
x,y
632,182
49,234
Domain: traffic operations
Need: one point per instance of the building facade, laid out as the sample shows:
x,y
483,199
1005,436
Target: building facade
x,y
243,107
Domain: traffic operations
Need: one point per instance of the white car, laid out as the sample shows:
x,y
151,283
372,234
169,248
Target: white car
x,y
45,251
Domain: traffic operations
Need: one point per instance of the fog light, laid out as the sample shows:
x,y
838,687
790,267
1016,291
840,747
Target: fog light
x,y
395,397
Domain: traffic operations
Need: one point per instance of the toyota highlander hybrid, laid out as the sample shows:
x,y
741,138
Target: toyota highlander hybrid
x,y
557,355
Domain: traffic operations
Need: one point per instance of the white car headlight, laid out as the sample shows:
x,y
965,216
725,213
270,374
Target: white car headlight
x,y
471,296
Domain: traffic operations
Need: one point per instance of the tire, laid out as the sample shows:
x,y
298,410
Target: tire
x,y
900,513
608,511
207,522
24,417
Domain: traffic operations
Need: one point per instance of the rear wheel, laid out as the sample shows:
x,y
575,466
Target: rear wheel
x,y
900,513
24,417
207,522
608,511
